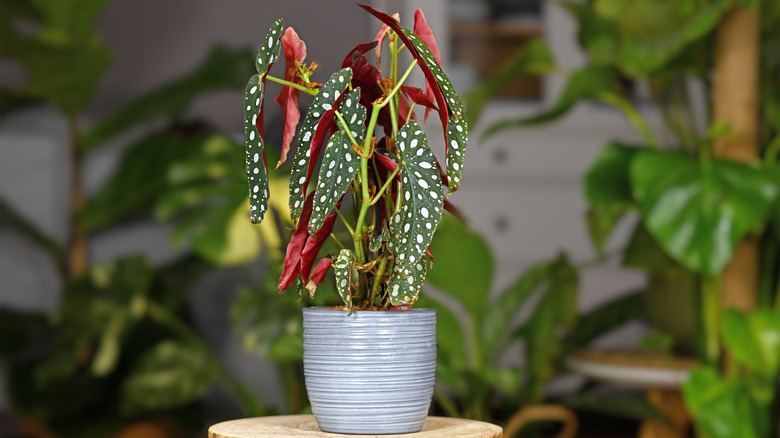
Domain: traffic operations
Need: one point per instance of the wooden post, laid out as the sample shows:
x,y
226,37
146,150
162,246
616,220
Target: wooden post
x,y
736,103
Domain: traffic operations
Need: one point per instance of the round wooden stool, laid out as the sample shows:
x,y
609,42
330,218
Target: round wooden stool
x,y
296,426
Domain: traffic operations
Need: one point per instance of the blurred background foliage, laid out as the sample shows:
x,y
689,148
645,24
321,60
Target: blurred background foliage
x,y
121,347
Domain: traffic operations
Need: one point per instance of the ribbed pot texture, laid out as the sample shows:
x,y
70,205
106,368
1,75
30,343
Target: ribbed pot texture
x,y
371,372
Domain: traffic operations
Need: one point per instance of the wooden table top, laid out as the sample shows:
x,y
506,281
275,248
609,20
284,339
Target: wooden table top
x,y
296,426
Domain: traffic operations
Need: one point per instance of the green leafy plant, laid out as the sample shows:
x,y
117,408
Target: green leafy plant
x,y
476,330
395,183
119,347
694,207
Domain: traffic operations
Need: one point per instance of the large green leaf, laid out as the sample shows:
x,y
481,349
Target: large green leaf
x,y
699,211
412,227
644,36
169,375
464,265
534,57
587,83
554,316
204,195
608,191
340,162
323,101
723,408
137,181
223,69
644,252
500,312
754,340
63,73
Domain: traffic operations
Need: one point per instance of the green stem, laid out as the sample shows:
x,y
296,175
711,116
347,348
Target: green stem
x,y
292,84
346,129
772,151
338,242
378,278
249,404
711,319
633,116
381,191
398,85
346,223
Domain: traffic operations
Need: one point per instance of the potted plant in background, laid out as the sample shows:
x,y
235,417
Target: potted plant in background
x,y
369,365
119,353
696,207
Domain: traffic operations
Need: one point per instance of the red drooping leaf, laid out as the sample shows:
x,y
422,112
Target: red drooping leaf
x,y
321,133
422,30
351,59
364,75
418,96
425,33
405,110
313,246
429,78
387,163
294,50
292,260
380,36
318,274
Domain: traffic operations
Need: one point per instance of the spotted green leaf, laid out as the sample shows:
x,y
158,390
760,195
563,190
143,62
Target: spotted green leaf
x,y
453,100
343,269
458,142
299,175
413,226
255,164
256,169
271,48
340,163
405,283
377,239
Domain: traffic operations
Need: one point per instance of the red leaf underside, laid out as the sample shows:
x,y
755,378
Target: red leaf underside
x,y
294,50
292,260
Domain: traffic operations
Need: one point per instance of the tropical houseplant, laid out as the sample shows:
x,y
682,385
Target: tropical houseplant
x,y
395,186
119,348
706,221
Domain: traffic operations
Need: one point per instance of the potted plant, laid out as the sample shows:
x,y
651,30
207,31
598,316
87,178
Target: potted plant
x,y
369,365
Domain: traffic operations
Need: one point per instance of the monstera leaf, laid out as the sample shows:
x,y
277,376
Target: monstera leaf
x,y
699,211
608,190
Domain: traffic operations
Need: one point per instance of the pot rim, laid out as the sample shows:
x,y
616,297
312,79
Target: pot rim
x,y
395,311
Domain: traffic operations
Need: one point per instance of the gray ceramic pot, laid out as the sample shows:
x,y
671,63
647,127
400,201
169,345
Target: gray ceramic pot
x,y
371,372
